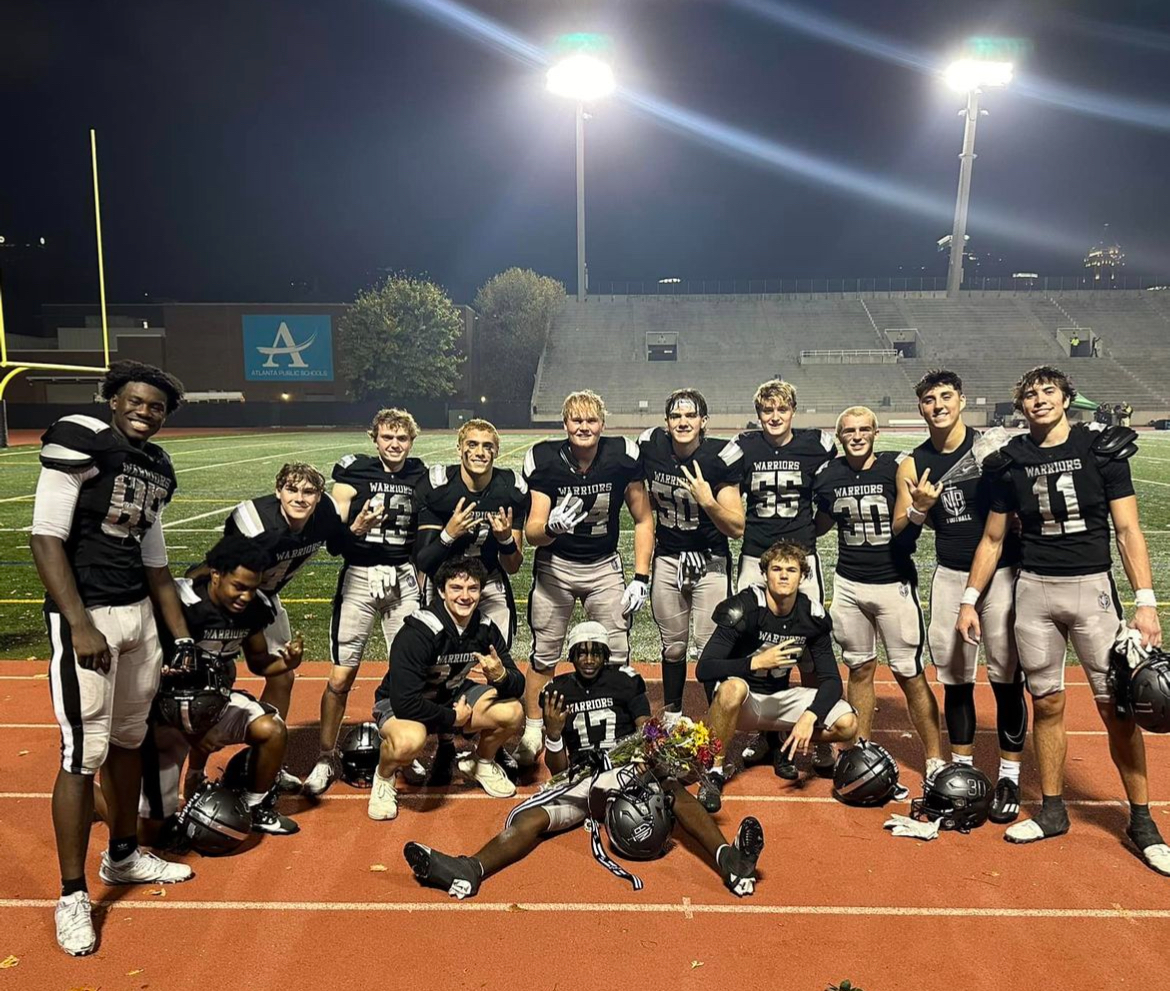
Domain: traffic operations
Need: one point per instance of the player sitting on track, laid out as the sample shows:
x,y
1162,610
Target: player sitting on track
x,y
377,582
875,586
473,509
692,480
1065,483
760,634
956,512
577,488
428,688
589,709
227,614
98,545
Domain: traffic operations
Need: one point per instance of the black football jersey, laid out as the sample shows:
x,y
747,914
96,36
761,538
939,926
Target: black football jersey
x,y
862,505
744,625
262,519
392,540
603,711
680,524
778,485
1062,498
124,490
549,468
219,633
439,493
958,516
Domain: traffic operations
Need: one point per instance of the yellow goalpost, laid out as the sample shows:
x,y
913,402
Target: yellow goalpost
x,y
13,368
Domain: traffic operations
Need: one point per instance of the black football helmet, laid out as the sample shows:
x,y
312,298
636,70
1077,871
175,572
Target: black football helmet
x,y
865,774
359,755
214,820
638,816
1149,692
959,797
237,770
192,701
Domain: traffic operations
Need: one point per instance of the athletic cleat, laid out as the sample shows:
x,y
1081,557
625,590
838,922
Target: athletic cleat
x,y
784,766
265,819
287,783
669,719
489,776
75,932
824,760
441,773
458,876
530,745
757,752
711,792
324,773
383,802
1005,802
749,838
901,793
737,862
142,867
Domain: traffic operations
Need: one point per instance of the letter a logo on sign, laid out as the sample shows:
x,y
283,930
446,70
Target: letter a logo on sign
x,y
284,343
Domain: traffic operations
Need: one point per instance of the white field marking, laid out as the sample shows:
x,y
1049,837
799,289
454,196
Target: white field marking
x,y
201,516
264,457
1149,481
687,909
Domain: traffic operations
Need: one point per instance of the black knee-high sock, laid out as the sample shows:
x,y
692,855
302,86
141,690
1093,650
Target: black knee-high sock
x,y
674,680
959,709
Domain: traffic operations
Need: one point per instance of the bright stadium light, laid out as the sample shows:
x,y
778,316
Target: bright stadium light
x,y
968,76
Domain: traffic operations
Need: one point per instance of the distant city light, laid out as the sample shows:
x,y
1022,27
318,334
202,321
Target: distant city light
x,y
968,74
285,396
669,282
1025,275
483,399
581,77
42,240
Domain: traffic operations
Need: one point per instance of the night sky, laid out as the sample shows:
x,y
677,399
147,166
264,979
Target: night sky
x,y
245,146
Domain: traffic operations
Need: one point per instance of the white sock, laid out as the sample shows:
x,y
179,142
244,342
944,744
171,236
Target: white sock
x,y
252,798
1009,769
966,759
538,722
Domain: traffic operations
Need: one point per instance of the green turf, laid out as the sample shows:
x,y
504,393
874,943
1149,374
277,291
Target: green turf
x,y
216,471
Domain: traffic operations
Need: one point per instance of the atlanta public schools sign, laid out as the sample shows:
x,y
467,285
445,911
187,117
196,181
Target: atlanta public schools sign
x,y
292,348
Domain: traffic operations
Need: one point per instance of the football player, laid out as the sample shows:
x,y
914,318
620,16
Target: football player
x,y
577,488
226,614
1066,483
692,480
586,710
760,634
428,688
377,582
956,512
875,586
98,546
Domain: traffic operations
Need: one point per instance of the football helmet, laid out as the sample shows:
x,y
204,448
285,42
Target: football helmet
x,y
958,797
638,816
215,820
359,755
865,774
192,701
236,771
1149,692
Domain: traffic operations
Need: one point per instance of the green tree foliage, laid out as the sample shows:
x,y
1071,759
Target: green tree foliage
x,y
515,311
398,339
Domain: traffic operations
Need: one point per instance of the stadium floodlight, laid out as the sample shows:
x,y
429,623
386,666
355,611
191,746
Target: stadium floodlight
x,y
584,78
968,76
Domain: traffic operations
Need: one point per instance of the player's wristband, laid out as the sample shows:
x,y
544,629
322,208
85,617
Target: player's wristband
x,y
915,515
554,746
445,538
645,579
1145,597
508,548
970,596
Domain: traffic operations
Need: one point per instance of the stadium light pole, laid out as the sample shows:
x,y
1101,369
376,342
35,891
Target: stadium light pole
x,y
582,78
968,76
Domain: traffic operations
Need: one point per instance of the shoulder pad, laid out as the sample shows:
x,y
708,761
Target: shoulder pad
x,y
1114,444
438,476
518,482
900,457
343,465
731,453
998,462
529,463
731,612
414,465
486,623
646,435
633,452
247,519
187,594
72,441
628,671
160,453
429,620
824,465
829,441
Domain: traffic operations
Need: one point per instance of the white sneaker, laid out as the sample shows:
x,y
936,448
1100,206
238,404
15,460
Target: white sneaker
x,y
530,745
75,933
490,777
383,798
143,867
287,783
670,719
318,780
933,766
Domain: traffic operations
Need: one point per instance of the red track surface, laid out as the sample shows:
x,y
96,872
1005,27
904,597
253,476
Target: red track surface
x,y
838,897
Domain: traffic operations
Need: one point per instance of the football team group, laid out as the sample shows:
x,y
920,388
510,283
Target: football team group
x,y
143,665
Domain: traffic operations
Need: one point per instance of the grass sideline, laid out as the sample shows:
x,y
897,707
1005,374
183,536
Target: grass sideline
x,y
216,471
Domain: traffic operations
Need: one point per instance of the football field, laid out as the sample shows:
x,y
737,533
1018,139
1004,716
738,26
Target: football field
x,y
216,471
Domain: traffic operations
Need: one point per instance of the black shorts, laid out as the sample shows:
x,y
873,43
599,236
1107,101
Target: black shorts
x,y
473,690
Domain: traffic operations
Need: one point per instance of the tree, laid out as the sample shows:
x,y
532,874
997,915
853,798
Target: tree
x,y
516,309
398,339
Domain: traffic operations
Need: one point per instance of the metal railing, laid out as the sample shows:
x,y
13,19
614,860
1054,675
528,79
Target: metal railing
x,y
857,356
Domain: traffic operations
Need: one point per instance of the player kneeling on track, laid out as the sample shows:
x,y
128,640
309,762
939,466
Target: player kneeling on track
x,y
227,615
428,688
759,637
587,711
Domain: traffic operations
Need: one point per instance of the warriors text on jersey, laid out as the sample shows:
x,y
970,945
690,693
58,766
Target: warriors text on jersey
x,y
439,493
862,505
262,519
1062,497
392,540
778,482
745,626
680,525
601,711
958,516
549,468
124,489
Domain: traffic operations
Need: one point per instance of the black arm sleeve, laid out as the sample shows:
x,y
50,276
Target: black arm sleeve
x,y
829,687
430,551
511,686
410,656
716,662
907,540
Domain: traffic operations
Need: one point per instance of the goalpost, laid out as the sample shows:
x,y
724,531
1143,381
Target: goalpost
x,y
13,368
